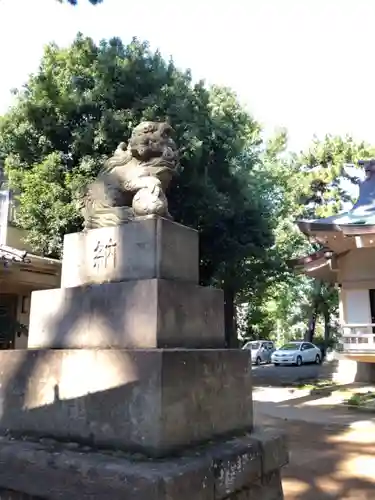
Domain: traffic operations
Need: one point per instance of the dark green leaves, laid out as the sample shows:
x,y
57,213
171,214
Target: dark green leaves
x,y
86,98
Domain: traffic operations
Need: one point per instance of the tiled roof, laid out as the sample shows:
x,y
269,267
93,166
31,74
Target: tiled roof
x,y
9,255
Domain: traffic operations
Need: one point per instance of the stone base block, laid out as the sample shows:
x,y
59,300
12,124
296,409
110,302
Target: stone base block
x,y
152,401
347,371
239,469
146,248
133,314
365,373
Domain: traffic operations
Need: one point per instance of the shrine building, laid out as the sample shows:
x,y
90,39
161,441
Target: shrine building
x,y
21,272
347,259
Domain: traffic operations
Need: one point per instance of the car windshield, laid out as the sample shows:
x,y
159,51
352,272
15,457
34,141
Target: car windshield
x,y
255,345
290,347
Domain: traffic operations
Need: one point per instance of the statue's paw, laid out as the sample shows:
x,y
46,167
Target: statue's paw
x,y
152,183
150,201
156,191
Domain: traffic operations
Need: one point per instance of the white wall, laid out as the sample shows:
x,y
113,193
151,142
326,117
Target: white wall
x,y
4,210
357,266
355,306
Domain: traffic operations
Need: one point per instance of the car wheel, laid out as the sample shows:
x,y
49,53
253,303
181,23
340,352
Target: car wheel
x,y
276,364
299,361
258,361
317,359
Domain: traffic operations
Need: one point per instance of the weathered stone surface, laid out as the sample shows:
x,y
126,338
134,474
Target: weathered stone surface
x,y
253,461
269,488
57,473
156,401
65,475
189,478
273,448
15,495
146,248
238,469
365,373
133,314
134,180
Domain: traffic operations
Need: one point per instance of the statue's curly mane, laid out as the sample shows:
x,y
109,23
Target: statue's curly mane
x,y
150,144
134,180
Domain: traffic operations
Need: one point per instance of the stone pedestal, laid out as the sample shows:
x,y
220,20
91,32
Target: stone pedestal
x,y
150,247
129,286
348,371
131,314
365,373
151,401
126,390
243,468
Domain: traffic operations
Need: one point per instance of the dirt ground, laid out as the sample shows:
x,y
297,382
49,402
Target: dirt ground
x,y
328,462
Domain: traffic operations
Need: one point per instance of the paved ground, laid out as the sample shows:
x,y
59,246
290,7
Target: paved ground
x,y
332,457
307,409
281,375
328,462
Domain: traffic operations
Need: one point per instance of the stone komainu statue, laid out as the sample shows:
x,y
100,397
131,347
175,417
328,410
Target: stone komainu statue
x,y
134,180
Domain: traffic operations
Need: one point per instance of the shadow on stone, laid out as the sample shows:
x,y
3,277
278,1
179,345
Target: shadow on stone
x,y
153,401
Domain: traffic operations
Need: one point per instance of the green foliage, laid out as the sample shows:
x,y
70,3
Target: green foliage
x,y
326,180
242,194
312,184
362,399
85,99
270,310
327,190
330,343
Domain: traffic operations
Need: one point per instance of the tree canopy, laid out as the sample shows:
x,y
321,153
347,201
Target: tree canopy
x,y
86,98
242,193
318,182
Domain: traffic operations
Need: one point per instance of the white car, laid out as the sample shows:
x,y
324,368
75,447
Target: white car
x,y
297,353
261,350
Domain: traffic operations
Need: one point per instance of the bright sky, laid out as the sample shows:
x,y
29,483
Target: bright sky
x,y
303,64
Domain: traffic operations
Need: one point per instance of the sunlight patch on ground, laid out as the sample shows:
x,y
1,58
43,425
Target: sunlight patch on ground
x,y
356,434
295,488
336,398
328,484
358,466
362,424
277,394
333,399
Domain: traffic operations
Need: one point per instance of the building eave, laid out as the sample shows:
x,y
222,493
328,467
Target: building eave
x,y
357,221
26,261
320,269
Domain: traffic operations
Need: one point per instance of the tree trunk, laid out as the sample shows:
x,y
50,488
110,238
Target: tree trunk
x,y
315,299
327,328
310,332
231,340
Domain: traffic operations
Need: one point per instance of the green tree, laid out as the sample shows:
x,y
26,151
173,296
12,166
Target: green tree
x,y
270,305
327,187
85,99
326,176
313,184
